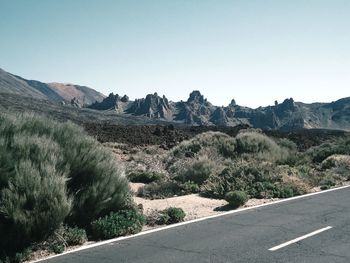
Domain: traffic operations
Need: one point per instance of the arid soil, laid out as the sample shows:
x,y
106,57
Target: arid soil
x,y
194,205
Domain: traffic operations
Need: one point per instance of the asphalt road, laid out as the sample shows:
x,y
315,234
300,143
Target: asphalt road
x,y
247,236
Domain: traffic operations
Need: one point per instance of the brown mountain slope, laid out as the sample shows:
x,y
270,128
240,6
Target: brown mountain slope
x,y
56,92
84,95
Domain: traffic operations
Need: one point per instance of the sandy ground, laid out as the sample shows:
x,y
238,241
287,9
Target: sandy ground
x,y
194,205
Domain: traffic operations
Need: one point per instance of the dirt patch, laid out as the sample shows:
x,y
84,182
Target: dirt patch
x,y
194,205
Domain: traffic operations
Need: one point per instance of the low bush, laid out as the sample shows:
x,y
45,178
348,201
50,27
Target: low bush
x,y
323,151
328,181
175,215
19,257
188,188
254,142
50,173
259,146
117,224
57,246
218,142
325,187
74,236
236,198
197,172
160,189
144,176
167,216
258,180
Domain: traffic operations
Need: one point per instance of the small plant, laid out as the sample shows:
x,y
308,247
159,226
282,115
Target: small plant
x,y
153,218
325,187
57,246
175,214
21,256
144,176
236,198
163,218
189,187
159,190
167,216
198,172
117,224
329,182
74,236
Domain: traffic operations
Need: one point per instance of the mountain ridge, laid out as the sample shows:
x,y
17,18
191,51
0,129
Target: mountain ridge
x,y
197,110
71,94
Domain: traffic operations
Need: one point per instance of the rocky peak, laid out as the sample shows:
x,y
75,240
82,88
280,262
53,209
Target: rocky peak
x,y
219,117
196,96
232,103
287,104
111,102
152,106
125,98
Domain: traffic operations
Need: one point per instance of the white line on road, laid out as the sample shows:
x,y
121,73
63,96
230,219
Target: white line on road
x,y
300,238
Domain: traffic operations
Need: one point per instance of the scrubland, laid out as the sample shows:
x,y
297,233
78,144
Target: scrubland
x,y
60,187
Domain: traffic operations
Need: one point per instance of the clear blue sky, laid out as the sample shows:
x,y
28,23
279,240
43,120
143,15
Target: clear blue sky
x,y
254,51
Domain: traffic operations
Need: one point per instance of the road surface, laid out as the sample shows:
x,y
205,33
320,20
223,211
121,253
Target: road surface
x,y
311,229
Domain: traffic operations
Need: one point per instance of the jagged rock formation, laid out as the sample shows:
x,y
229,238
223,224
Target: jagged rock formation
x,y
196,110
288,115
152,106
112,102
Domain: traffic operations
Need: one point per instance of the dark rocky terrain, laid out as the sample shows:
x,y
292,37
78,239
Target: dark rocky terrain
x,y
75,95
167,136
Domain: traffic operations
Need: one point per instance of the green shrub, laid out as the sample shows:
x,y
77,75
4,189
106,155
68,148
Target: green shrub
x,y
18,257
238,176
325,187
256,179
253,142
22,256
197,172
236,198
57,246
144,176
74,236
170,215
260,146
189,188
175,215
154,218
163,218
323,151
219,142
167,216
160,189
117,224
288,144
51,172
33,204
327,181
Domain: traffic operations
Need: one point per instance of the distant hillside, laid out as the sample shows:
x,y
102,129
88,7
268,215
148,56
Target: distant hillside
x,y
75,95
197,110
83,95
